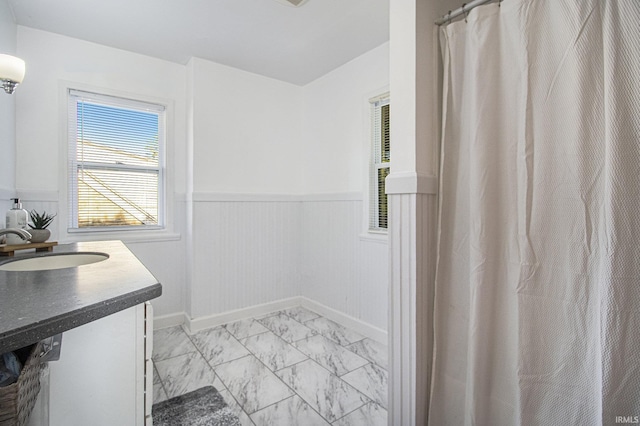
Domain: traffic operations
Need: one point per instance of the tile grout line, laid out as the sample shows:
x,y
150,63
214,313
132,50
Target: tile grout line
x,y
317,333
282,381
359,408
154,361
216,374
251,353
155,370
288,316
339,378
291,345
330,373
367,361
331,321
172,357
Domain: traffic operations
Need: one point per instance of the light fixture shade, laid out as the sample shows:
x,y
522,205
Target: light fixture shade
x,y
11,68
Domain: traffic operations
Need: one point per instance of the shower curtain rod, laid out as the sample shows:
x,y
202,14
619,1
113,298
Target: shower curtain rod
x,y
464,9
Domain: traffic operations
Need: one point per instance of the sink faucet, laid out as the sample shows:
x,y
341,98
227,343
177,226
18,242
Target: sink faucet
x,y
25,235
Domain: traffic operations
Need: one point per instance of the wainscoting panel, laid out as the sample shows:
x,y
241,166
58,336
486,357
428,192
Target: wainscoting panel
x,y
258,250
244,253
413,237
249,250
341,270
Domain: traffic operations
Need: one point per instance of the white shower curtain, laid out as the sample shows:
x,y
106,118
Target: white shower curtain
x,y
537,304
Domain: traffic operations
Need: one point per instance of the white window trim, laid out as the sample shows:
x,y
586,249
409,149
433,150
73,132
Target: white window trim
x,y
165,233
375,166
367,234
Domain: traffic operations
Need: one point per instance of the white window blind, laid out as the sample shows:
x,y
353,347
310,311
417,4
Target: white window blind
x,y
380,163
116,177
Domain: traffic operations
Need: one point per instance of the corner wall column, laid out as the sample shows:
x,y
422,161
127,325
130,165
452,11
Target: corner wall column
x,y
412,188
412,246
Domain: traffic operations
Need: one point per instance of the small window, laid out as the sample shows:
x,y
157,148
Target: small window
x,y
116,173
380,163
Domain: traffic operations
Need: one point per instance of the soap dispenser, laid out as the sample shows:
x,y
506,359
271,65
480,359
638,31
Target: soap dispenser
x,y
16,219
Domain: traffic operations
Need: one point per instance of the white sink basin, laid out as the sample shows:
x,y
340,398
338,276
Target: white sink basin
x,y
53,261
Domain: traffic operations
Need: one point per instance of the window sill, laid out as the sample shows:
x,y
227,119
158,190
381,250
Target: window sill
x,y
375,237
124,236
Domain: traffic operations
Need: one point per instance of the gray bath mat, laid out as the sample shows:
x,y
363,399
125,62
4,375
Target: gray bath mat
x,y
202,407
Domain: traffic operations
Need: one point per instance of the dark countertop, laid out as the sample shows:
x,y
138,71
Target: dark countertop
x,y
37,304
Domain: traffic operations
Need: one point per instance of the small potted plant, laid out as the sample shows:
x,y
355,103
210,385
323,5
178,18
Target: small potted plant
x,y
38,225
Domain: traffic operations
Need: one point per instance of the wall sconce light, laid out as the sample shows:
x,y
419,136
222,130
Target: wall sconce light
x,y
11,72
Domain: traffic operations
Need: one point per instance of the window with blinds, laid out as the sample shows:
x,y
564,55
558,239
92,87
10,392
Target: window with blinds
x,y
115,163
380,163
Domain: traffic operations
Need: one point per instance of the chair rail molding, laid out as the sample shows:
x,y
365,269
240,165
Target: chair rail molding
x,y
411,183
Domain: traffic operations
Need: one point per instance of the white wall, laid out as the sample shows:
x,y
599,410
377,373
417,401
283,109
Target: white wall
x,y
54,62
341,269
255,172
336,110
246,140
7,115
248,132
412,189
270,160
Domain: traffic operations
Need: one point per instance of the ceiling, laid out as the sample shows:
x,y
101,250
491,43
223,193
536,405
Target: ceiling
x,y
266,37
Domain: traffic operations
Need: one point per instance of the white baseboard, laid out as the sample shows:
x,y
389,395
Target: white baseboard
x,y
170,320
366,329
193,325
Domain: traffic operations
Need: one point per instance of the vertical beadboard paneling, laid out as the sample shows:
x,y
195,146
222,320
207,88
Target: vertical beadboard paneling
x,y
426,239
402,319
245,253
341,270
248,253
412,240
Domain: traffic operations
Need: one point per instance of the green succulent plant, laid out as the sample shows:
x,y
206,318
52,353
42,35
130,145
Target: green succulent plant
x,y
40,221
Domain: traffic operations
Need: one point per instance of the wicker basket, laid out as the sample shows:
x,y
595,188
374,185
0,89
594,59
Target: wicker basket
x,y
17,400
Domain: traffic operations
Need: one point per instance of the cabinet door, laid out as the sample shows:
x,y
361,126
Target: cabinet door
x,y
99,379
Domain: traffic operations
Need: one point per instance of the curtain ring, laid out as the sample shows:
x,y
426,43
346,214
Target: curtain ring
x,y
466,12
499,3
449,17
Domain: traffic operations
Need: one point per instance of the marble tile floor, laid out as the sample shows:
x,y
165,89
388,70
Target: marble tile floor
x,y
289,368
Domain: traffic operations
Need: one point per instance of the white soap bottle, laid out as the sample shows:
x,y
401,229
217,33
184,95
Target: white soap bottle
x,y
17,219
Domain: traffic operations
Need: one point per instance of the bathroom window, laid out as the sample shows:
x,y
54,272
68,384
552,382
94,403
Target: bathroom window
x,y
116,172
380,163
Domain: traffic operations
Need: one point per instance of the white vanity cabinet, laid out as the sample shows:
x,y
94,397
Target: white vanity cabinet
x,y
104,375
